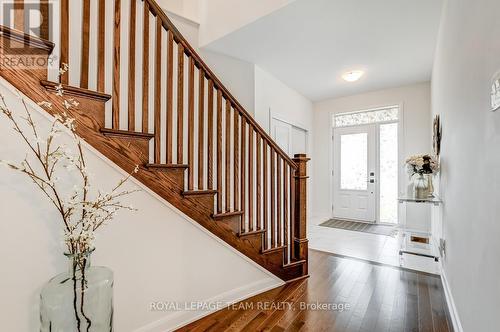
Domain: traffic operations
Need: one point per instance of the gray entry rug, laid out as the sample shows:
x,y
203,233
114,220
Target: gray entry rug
x,y
361,227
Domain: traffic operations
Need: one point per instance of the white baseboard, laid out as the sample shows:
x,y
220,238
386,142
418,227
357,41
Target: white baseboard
x,y
455,319
178,319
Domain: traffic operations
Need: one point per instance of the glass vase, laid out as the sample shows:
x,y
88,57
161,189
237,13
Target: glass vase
x,y
78,300
421,186
430,190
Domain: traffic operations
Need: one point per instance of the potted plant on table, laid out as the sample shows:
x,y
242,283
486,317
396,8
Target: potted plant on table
x,y
421,168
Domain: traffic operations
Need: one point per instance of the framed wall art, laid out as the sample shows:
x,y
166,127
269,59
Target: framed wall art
x,y
436,140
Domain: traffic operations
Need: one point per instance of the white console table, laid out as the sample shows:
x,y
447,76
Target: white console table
x,y
417,243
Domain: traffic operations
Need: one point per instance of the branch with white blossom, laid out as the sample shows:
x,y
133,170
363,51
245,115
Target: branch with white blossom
x,y
81,214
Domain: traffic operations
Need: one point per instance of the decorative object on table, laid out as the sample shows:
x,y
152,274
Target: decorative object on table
x,y
436,141
421,168
495,93
81,299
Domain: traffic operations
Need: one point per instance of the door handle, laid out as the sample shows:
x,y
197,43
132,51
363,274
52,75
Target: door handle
x,y
371,181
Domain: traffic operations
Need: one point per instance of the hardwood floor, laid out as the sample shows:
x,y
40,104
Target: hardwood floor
x,y
380,298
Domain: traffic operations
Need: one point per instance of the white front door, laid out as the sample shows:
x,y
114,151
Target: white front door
x,y
354,193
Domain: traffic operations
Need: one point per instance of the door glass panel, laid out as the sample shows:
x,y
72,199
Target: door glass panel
x,y
389,172
354,161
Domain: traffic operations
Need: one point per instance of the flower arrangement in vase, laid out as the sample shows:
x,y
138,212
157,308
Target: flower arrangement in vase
x,y
82,298
421,168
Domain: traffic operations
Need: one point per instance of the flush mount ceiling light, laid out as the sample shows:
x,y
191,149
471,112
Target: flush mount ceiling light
x,y
353,76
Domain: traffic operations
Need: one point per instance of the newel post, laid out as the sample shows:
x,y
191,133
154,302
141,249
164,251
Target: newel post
x,y
300,213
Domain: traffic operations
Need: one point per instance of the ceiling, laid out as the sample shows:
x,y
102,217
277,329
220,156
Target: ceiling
x,y
309,44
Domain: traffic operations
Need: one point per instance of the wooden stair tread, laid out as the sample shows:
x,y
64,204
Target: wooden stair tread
x,y
199,192
126,133
25,38
75,91
295,263
272,250
166,166
258,232
228,214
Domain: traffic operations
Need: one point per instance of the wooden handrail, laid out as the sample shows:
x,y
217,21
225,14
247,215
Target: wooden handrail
x,y
156,10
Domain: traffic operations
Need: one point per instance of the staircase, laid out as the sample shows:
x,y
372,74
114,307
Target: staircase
x,y
196,145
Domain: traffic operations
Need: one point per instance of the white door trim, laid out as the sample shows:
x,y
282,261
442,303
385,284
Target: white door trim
x,y
401,148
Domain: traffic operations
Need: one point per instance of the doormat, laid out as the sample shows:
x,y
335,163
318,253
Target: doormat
x,y
361,227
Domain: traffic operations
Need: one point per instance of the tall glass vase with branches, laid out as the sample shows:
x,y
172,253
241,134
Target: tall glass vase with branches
x,y
82,210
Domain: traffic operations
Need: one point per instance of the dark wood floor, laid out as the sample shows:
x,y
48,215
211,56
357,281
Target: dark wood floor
x,y
381,298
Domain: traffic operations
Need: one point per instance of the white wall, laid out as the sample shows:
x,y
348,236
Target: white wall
x,y
189,9
237,75
156,253
273,95
415,100
221,17
468,54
